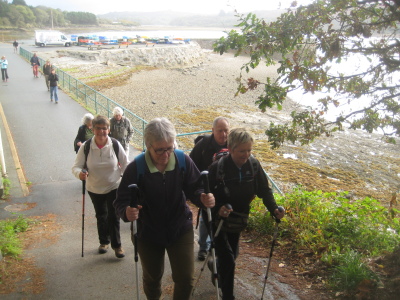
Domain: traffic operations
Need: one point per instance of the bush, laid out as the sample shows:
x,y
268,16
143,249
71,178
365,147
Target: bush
x,y
333,221
9,229
340,232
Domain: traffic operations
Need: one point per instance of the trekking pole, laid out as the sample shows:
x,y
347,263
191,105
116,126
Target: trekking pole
x,y
83,208
280,208
134,203
228,206
204,175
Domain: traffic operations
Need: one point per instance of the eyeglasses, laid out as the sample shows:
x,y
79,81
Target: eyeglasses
x,y
101,128
161,151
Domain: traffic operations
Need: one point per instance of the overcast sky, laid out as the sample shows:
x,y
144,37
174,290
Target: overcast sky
x,y
200,6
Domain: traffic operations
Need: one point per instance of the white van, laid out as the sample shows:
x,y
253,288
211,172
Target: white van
x,y
51,38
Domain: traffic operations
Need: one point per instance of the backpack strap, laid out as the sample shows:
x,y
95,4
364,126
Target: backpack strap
x,y
115,146
254,170
180,155
253,165
220,168
140,166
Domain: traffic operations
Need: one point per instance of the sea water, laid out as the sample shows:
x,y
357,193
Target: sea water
x,y
165,33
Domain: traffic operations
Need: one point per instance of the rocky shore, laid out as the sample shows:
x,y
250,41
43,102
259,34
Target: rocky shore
x,y
192,96
161,92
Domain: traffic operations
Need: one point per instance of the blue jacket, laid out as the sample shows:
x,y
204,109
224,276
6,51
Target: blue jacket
x,y
35,60
4,63
165,215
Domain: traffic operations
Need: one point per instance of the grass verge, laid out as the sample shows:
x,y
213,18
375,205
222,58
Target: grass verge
x,y
332,235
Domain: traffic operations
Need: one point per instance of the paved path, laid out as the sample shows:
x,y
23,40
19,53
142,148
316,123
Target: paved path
x,y
43,135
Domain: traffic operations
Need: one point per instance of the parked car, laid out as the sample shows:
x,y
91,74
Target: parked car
x,y
51,38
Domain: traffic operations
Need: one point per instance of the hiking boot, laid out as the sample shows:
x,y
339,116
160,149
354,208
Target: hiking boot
x,y
202,255
119,252
103,248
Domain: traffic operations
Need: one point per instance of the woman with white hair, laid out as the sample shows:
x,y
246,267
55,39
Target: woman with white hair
x,y
121,129
164,220
236,179
85,131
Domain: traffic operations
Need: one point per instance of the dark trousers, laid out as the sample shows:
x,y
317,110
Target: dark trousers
x,y
181,258
227,250
4,74
46,78
107,220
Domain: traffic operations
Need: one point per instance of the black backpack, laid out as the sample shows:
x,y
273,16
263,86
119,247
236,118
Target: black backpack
x,y
86,149
205,137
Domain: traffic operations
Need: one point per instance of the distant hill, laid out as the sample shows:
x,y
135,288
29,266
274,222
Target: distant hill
x,y
170,18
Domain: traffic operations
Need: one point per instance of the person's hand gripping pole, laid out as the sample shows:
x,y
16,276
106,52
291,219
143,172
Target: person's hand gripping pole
x,y
204,176
228,207
281,210
83,206
134,204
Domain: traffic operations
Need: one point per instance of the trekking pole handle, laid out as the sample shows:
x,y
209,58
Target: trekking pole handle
x,y
134,193
228,206
84,171
281,209
204,176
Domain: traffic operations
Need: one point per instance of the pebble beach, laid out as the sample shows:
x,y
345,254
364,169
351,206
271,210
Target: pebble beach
x,y
164,92
191,97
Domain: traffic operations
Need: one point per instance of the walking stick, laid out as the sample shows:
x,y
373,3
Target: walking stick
x,y
204,175
83,208
280,208
228,206
134,203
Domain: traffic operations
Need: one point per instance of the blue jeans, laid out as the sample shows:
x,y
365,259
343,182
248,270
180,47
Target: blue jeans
x,y
4,74
53,93
204,238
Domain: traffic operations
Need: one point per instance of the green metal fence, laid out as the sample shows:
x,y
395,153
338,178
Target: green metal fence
x,y
94,100
102,105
